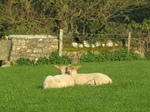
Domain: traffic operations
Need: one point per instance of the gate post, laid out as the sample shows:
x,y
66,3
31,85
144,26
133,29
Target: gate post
x,y
60,42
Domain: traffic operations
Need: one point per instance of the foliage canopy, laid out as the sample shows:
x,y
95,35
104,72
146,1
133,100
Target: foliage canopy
x,y
79,16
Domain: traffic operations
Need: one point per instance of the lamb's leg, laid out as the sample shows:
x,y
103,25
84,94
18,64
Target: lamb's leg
x,y
97,80
110,81
90,82
102,80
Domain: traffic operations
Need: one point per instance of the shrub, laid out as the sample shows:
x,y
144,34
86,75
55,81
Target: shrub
x,y
134,56
54,58
121,55
148,56
66,59
42,61
106,56
89,57
124,55
25,61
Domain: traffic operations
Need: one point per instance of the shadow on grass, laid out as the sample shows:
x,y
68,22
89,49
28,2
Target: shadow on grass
x,y
39,87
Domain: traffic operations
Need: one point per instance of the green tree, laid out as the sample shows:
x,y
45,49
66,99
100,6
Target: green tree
x,y
80,16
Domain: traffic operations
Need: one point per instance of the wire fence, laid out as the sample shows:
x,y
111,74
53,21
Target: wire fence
x,y
130,41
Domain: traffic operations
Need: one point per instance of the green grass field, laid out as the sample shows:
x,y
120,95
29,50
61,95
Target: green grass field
x,y
20,89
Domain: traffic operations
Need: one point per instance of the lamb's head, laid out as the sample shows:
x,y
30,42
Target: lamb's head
x,y
62,68
72,70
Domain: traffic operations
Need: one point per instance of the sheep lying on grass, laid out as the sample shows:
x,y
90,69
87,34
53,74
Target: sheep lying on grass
x,y
59,81
87,79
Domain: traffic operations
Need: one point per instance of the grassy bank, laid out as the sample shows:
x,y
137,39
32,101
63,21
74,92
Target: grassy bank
x,y
21,89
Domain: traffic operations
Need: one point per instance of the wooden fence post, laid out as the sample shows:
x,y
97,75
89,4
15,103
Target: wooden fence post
x,y
129,41
60,42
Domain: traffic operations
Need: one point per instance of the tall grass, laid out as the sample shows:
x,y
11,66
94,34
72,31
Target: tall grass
x,y
21,91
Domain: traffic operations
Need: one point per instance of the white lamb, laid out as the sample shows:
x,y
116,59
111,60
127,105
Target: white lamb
x,y
58,81
87,79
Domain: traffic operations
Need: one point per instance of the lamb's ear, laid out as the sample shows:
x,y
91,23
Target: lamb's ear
x,y
77,67
57,66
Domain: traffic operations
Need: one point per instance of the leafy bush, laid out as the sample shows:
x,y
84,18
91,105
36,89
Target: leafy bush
x,y
25,61
54,58
148,56
42,61
90,57
121,55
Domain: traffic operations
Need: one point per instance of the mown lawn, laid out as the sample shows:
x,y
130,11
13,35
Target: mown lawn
x,y
20,89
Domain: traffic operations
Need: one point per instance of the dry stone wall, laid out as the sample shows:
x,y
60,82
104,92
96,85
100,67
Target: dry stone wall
x,y
5,46
75,55
32,46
